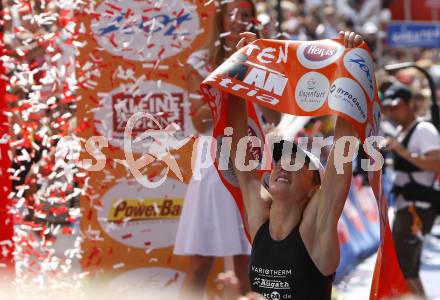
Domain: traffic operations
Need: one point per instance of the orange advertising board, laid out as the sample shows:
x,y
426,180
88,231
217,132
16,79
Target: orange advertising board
x,y
132,59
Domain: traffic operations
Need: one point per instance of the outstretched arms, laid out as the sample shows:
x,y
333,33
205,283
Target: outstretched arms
x,y
256,209
336,183
255,196
338,174
321,216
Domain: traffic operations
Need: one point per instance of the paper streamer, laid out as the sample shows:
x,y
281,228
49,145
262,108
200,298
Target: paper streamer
x,y
314,78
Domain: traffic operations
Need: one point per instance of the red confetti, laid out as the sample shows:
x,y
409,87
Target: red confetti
x,y
118,8
127,236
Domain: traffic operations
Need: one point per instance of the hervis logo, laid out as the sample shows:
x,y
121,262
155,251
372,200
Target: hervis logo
x,y
319,54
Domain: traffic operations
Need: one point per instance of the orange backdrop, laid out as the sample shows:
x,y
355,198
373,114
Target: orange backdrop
x,y
131,59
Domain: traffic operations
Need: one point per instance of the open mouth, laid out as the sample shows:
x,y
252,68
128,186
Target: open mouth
x,y
282,179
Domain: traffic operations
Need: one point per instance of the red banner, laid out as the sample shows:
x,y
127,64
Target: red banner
x,y
421,10
311,79
6,220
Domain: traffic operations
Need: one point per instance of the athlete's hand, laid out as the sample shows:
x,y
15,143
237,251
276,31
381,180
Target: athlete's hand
x,y
246,39
351,39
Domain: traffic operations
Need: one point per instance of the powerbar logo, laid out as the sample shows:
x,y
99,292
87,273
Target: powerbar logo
x,y
317,55
148,209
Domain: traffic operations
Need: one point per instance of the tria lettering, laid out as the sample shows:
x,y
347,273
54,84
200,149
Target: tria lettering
x,y
250,92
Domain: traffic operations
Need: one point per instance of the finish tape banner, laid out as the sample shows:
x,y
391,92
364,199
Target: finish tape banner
x,y
313,78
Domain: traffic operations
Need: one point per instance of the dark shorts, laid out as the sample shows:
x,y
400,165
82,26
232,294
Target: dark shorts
x,y
408,246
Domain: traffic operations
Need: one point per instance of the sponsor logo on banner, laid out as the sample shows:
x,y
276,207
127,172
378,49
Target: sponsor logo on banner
x,y
165,103
144,31
148,209
137,283
346,96
141,217
311,91
360,65
319,54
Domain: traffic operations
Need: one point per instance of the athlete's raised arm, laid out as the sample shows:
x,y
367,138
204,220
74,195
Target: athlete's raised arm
x,y
320,219
338,174
254,194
